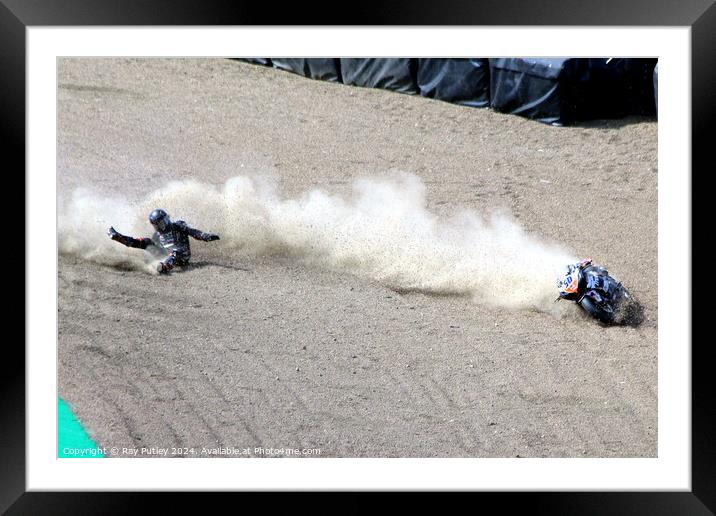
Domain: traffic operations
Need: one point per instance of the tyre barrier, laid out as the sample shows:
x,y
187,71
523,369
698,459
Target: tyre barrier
x,y
460,81
563,91
555,91
323,69
390,74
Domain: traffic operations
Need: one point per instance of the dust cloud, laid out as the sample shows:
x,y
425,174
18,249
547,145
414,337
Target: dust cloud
x,y
382,230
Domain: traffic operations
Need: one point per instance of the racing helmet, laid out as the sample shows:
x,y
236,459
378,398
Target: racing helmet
x,y
159,219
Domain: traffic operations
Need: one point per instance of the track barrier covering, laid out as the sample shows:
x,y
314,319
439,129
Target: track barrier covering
x,y
390,74
315,68
461,81
556,91
562,91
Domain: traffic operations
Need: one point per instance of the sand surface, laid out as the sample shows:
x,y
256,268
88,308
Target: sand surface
x,y
270,351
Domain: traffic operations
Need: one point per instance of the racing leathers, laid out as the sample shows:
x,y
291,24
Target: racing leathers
x,y
172,242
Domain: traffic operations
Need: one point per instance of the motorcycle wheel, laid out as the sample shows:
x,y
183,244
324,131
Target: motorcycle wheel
x,y
601,312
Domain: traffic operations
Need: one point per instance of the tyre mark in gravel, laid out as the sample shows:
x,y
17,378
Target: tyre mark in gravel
x,y
153,383
264,399
580,430
142,402
190,401
130,423
402,387
194,407
164,417
466,440
242,419
284,384
636,424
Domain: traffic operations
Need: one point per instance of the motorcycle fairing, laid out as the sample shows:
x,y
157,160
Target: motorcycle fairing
x,y
569,285
591,294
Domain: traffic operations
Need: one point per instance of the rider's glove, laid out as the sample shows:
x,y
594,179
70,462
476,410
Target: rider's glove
x,y
210,237
113,233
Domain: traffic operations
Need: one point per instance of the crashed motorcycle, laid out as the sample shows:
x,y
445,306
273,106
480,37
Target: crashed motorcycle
x,y
599,294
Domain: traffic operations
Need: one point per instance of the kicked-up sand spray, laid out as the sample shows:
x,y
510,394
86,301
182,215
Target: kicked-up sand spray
x,y
382,230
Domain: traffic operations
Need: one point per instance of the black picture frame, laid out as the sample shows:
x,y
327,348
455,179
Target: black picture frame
x,y
700,16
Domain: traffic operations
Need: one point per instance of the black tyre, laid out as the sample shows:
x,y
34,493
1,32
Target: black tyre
x,y
600,311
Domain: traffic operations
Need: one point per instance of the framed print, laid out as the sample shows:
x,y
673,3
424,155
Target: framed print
x,y
255,265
